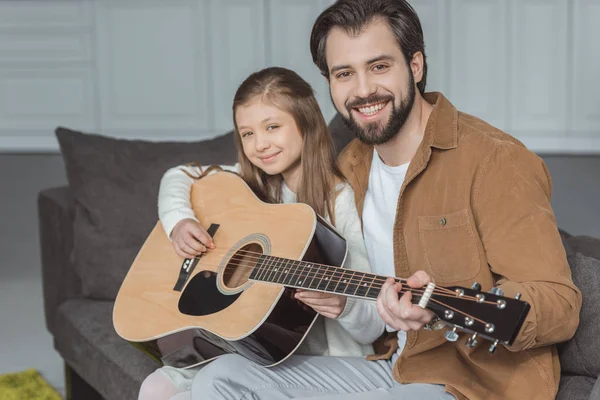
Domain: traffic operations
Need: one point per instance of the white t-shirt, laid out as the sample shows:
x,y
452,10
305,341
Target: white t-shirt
x,y
379,214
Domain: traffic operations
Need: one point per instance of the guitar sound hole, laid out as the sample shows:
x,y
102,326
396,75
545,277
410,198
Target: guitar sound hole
x,y
240,265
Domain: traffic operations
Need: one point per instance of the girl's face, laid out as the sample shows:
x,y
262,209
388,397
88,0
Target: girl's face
x,y
270,137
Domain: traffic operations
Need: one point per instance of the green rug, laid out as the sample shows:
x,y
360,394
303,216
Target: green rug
x,y
28,385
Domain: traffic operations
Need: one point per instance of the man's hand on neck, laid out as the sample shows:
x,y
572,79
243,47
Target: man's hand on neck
x,y
402,147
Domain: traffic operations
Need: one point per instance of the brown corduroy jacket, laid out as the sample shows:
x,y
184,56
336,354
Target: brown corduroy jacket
x,y
493,196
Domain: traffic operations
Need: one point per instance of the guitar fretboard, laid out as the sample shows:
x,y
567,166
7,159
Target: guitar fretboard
x,y
306,275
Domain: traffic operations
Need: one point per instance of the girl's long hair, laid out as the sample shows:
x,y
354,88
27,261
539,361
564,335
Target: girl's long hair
x,y
287,91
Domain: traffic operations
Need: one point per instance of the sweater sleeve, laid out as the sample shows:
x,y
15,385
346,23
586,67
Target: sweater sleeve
x,y
174,202
359,318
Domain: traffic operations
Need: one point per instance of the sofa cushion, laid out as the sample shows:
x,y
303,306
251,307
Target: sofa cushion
x,y
85,338
114,183
586,245
581,354
575,388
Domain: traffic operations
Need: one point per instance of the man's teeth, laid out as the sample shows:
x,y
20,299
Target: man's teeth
x,y
371,109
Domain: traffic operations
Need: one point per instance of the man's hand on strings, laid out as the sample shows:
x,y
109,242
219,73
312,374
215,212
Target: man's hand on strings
x,y
400,313
327,304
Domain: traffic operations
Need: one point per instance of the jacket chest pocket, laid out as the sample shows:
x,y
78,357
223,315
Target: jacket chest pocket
x,y
450,246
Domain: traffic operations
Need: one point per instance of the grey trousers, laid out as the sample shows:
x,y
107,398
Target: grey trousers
x,y
233,377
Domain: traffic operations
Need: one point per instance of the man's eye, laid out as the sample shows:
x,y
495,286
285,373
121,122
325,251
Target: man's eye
x,y
343,74
380,67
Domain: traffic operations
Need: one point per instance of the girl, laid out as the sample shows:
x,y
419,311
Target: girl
x,y
285,155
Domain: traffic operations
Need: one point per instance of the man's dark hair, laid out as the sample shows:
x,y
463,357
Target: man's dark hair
x,y
354,15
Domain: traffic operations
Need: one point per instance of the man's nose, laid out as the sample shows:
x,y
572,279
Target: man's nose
x,y
365,86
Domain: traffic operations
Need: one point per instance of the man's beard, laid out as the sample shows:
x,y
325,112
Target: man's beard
x,y
373,133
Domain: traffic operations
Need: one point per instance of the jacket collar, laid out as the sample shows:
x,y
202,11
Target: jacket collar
x,y
441,132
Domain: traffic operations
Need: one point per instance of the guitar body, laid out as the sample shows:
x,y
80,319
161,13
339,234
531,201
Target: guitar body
x,y
163,294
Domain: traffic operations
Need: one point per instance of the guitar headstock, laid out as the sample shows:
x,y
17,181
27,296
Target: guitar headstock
x,y
487,315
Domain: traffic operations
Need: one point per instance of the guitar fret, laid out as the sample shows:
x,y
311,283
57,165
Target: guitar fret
x,y
325,279
314,271
342,282
272,269
301,276
279,270
269,270
306,275
290,275
322,274
352,286
263,269
360,290
373,292
256,268
333,281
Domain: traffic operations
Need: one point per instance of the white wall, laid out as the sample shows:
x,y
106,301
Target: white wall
x,y
167,69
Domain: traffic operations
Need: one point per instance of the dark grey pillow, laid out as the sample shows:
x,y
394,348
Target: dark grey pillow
x,y
574,387
586,245
114,183
340,133
581,354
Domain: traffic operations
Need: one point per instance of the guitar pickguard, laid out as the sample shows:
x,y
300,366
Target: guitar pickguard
x,y
202,296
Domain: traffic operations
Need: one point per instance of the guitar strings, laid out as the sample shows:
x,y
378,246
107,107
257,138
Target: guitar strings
x,y
244,264
267,270
377,279
414,291
343,270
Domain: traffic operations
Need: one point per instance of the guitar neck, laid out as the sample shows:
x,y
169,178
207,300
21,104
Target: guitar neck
x,y
324,278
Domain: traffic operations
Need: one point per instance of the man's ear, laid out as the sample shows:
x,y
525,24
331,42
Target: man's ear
x,y
416,66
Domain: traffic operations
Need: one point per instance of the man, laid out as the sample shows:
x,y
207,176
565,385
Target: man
x,y
444,197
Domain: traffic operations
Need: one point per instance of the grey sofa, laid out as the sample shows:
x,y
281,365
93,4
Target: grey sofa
x,y
91,230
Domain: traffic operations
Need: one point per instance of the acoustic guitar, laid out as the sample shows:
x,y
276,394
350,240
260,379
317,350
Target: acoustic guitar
x,y
238,295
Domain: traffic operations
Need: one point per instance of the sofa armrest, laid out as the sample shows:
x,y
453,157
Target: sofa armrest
x,y
60,282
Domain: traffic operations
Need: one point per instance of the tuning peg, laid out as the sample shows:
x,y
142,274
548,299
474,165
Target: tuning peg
x,y
451,336
476,286
497,291
493,347
518,296
472,341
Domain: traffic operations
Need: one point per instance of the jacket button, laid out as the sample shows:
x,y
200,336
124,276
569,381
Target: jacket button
x,y
443,221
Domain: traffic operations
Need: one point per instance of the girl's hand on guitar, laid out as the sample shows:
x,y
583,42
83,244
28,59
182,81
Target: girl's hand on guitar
x,y
190,238
327,304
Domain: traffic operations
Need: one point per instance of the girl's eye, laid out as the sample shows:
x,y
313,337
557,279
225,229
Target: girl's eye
x,y
272,127
246,134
